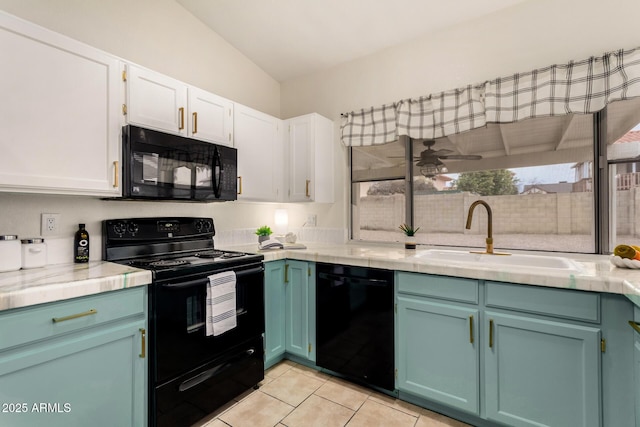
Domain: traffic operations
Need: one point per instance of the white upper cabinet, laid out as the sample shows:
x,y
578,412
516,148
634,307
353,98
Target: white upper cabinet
x,y
211,117
162,103
258,138
59,113
156,101
309,144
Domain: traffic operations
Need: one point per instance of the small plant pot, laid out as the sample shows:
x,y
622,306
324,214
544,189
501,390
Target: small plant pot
x,y
410,243
262,238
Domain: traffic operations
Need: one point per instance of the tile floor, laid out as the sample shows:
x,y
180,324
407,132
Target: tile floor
x,y
294,395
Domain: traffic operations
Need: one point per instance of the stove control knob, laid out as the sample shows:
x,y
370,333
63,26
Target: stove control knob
x,y
133,228
119,228
203,226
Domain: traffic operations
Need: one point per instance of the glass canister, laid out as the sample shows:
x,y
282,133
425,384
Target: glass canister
x,y
34,252
10,259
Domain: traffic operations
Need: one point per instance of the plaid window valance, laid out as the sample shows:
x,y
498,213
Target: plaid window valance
x,y
585,86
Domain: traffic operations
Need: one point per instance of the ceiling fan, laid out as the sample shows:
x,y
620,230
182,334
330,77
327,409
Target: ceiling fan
x,y
430,163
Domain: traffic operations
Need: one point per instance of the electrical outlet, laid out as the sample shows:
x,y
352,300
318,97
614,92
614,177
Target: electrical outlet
x,y
312,220
50,224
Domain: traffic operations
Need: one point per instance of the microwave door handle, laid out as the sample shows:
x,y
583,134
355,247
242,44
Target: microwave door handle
x,y
217,178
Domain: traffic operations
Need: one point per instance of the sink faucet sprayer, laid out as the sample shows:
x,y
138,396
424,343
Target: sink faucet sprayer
x,y
489,240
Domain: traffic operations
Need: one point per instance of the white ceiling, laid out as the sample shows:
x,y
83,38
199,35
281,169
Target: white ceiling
x,y
292,38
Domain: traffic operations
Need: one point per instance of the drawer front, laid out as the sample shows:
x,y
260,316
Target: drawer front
x,y
563,303
449,288
24,325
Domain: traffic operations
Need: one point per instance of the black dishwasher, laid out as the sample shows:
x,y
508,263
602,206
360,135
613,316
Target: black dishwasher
x,y
354,323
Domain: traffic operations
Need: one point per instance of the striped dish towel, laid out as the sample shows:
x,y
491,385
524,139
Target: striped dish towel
x,y
221,303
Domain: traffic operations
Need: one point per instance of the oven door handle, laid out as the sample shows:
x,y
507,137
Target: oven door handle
x,y
205,280
186,284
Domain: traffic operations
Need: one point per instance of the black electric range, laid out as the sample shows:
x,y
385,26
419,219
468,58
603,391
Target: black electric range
x,y
191,372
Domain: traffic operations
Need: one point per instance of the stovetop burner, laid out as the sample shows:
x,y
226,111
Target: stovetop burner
x,y
210,254
169,263
162,263
233,254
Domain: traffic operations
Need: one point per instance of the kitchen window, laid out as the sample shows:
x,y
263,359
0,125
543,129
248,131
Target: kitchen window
x,y
543,197
623,156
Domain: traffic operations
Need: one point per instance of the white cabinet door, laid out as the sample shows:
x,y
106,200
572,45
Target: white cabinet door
x,y
156,101
301,164
59,113
310,159
210,117
258,138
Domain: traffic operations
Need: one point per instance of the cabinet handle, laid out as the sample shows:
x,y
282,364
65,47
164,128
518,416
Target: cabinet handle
x,y
635,326
195,122
490,333
181,112
239,185
471,329
286,273
307,189
143,349
74,316
116,171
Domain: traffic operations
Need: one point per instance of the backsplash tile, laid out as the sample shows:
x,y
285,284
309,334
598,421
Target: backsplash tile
x,y
245,236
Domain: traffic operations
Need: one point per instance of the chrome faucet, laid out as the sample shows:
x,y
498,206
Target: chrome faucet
x,y
489,240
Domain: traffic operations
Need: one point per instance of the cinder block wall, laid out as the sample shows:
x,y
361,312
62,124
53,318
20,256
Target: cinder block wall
x,y
566,213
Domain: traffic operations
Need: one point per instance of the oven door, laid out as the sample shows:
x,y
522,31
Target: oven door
x,y
178,330
161,166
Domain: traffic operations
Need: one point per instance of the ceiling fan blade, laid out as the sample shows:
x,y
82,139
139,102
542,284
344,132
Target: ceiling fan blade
x,y
402,157
442,152
462,157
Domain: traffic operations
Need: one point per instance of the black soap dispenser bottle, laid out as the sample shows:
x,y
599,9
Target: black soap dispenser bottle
x,y
81,245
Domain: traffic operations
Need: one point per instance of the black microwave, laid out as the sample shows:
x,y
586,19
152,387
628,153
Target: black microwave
x,y
161,166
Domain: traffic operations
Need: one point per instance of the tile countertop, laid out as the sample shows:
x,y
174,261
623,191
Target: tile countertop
x,y
596,274
63,281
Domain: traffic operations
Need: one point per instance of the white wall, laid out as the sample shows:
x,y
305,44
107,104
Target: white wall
x,y
529,35
161,35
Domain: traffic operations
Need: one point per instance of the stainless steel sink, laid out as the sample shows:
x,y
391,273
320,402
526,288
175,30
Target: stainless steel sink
x,y
535,262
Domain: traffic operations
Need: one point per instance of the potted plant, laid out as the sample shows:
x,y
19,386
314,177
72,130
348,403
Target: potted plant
x,y
263,233
409,231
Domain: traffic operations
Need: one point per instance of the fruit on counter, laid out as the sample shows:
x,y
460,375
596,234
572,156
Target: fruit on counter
x,y
627,251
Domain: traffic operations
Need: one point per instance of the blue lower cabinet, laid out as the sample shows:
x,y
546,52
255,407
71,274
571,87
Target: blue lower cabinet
x,y
300,303
274,311
289,310
94,375
438,352
541,372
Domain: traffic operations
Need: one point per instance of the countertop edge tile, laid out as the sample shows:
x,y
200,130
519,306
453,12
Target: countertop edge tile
x,y
597,275
59,282
63,281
